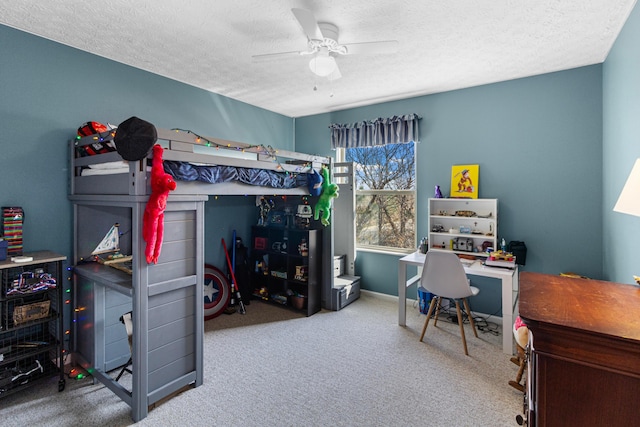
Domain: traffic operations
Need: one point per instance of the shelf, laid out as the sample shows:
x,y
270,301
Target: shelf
x,y
46,370
287,262
107,276
474,254
480,215
52,316
40,257
28,348
473,235
287,306
28,295
481,218
23,353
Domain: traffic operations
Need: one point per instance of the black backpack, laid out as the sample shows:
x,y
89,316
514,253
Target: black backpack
x,y
519,249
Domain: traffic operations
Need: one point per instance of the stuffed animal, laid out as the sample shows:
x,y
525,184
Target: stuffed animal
x,y
153,219
520,332
329,191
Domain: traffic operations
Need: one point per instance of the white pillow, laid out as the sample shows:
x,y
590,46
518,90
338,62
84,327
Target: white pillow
x,y
111,165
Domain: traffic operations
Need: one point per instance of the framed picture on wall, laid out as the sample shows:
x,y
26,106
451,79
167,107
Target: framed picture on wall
x,y
464,181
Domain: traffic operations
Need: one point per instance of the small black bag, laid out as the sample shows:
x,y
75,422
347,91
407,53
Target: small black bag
x,y
519,249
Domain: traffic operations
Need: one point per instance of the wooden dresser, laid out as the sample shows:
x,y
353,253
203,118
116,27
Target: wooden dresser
x,y
584,367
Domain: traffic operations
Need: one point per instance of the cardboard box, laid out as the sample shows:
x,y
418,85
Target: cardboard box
x,y
29,312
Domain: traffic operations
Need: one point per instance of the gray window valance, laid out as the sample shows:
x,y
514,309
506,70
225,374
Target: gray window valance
x,y
393,130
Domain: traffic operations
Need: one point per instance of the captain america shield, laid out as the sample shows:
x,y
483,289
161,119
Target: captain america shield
x,y
217,292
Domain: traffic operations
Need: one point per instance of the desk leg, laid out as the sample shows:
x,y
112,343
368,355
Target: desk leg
x,y
507,313
402,293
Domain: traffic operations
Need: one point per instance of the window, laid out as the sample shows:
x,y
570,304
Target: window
x,y
385,195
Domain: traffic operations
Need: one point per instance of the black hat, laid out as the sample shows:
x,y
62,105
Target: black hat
x,y
134,138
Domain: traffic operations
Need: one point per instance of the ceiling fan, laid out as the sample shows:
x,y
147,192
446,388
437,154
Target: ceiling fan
x,y
323,46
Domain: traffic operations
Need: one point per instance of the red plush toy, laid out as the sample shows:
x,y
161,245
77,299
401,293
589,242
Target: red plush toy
x,y
153,220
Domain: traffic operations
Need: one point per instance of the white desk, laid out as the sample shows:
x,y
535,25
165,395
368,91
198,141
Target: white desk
x,y
510,287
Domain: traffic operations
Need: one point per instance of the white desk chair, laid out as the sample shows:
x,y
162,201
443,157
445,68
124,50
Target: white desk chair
x,y
443,275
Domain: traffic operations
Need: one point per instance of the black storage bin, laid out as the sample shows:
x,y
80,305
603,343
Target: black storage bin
x,y
519,249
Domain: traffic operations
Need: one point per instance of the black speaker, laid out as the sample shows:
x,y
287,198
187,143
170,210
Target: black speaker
x,y
519,249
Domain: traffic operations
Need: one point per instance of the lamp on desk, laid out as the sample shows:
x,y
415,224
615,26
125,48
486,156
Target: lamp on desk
x,y
629,200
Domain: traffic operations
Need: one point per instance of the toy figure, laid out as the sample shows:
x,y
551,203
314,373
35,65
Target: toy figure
x,y
463,187
301,273
303,248
265,207
262,292
153,219
303,216
329,191
288,216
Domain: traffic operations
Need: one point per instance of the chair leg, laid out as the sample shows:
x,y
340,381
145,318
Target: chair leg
x,y
127,321
426,322
522,359
464,341
438,309
125,368
516,384
473,324
523,366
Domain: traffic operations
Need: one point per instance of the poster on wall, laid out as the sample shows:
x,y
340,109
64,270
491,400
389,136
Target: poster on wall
x,y
464,181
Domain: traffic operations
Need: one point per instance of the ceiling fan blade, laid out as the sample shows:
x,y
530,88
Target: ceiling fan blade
x,y
372,48
308,23
335,75
276,56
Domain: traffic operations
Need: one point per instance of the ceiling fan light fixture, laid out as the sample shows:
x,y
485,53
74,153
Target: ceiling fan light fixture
x,y
322,65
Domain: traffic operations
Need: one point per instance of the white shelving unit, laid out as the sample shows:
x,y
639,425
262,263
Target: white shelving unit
x,y
463,226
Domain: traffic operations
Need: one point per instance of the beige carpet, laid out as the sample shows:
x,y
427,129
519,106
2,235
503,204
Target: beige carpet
x,y
272,367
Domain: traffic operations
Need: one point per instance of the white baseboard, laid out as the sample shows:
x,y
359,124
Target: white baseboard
x,y
414,303
380,295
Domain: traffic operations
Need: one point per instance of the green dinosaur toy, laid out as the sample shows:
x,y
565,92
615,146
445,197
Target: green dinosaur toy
x,y
329,191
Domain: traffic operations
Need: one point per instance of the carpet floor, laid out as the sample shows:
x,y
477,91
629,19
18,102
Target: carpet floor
x,y
273,367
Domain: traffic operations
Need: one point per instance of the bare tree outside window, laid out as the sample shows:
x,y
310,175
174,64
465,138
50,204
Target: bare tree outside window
x,y
385,195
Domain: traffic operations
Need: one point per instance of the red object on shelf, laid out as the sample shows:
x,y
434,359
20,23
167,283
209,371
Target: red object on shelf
x,y
260,243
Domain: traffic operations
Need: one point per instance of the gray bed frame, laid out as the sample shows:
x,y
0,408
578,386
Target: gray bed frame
x,y
166,299
187,147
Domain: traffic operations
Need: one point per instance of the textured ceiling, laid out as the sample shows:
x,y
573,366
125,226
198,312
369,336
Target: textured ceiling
x,y
443,45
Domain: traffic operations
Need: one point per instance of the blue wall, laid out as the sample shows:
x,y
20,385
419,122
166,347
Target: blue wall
x,y
47,90
554,149
538,142
621,147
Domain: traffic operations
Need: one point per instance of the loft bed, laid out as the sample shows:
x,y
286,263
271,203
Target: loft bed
x,y
238,165
165,299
